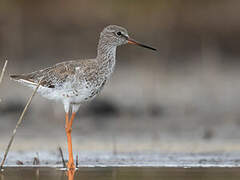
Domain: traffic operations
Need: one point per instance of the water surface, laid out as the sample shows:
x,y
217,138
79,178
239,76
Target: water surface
x,y
124,174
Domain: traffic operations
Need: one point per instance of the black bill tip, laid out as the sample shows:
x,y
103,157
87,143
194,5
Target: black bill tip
x,y
131,41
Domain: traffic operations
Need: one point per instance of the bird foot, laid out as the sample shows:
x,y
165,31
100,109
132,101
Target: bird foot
x,y
71,171
71,166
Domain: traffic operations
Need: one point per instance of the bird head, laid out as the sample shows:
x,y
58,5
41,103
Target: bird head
x,y
115,36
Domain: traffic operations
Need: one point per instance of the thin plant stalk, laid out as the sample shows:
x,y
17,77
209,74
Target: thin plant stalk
x,y
61,154
3,71
17,125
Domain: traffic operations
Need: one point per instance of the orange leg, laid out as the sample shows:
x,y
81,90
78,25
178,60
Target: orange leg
x,y
68,128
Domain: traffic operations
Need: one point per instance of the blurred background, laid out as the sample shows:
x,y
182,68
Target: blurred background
x,y
184,98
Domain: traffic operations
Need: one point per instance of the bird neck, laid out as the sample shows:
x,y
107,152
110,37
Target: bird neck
x,y
106,56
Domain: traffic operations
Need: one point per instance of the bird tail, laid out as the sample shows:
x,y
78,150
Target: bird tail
x,y
23,79
17,77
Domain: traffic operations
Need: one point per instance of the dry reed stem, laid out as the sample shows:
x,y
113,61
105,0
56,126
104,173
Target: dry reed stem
x,y
18,123
3,71
61,154
77,161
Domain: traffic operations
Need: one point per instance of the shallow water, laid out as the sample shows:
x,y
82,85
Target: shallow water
x,y
123,174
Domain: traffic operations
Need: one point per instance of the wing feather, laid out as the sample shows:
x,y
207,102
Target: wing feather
x,y
51,76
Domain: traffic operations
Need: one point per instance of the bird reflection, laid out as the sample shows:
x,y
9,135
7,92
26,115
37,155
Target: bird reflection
x,y
71,173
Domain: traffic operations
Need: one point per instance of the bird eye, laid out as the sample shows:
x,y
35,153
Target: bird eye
x,y
119,33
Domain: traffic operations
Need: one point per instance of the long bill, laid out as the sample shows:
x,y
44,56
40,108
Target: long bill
x,y
132,41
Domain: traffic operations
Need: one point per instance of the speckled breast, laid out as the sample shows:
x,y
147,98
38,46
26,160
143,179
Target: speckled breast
x,y
95,91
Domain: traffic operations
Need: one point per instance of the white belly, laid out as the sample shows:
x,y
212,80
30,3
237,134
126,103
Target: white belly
x,y
70,95
73,92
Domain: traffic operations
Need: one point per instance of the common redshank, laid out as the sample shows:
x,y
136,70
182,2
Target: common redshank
x,y
76,82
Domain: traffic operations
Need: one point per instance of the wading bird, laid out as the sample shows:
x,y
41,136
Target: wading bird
x,y
76,82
